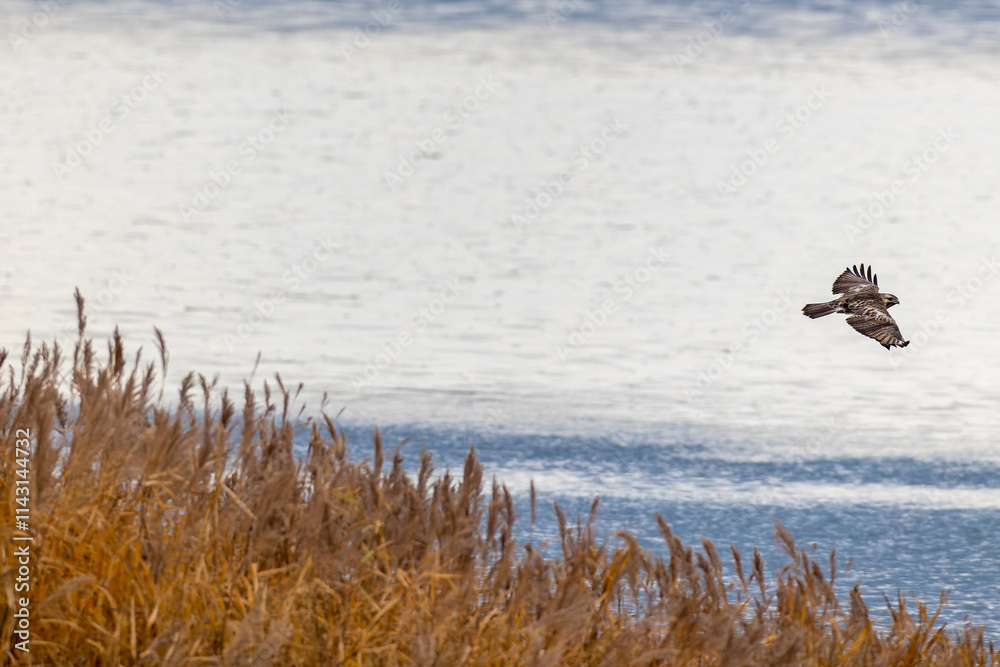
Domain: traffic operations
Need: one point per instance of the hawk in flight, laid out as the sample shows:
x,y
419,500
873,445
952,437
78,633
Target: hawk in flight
x,y
868,309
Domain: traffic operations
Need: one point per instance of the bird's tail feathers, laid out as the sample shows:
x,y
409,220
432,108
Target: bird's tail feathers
x,y
815,310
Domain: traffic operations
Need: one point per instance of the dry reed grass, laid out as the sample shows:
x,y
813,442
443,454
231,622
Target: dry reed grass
x,y
189,535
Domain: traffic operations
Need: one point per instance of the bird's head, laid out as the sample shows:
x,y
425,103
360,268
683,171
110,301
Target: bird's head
x,y
889,300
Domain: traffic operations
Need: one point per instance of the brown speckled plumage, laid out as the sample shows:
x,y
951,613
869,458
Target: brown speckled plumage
x,y
868,309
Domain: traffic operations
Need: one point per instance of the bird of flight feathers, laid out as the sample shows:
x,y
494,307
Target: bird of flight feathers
x,y
867,308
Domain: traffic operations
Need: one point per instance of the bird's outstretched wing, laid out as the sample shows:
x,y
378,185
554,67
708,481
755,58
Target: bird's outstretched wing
x,y
852,282
870,318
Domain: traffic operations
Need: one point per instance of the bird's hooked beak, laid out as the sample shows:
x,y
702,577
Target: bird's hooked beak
x,y
891,300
